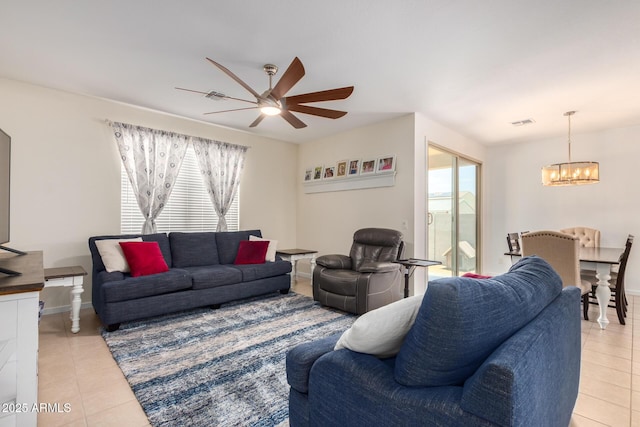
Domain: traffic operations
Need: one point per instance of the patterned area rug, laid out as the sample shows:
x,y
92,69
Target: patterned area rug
x,y
222,367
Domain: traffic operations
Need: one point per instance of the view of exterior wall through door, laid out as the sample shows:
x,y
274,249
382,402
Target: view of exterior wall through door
x,y
453,213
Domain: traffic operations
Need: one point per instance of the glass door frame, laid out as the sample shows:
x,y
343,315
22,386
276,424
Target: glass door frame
x,y
455,196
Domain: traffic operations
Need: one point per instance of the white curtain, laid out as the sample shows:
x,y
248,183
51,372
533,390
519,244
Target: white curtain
x,y
152,159
221,165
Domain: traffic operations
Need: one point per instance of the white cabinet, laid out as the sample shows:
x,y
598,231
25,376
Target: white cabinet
x,y
18,358
19,298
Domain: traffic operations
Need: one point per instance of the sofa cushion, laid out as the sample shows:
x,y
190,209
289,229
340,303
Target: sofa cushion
x,y
229,241
145,286
250,252
194,249
451,336
262,271
380,332
112,255
213,276
144,258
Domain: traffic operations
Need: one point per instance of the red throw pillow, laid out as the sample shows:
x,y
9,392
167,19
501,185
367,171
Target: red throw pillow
x,y
144,258
252,252
476,276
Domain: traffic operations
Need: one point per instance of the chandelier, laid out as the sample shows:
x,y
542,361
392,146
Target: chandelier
x,y
570,173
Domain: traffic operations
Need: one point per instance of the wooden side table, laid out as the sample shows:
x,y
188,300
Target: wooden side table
x,y
410,265
68,276
293,255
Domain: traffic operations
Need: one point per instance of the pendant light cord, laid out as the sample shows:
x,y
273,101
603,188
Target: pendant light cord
x,y
569,114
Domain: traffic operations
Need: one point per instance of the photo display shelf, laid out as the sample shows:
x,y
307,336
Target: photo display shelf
x,y
351,175
353,183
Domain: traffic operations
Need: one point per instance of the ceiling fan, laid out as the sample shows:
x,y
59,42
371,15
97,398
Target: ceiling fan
x,y
273,101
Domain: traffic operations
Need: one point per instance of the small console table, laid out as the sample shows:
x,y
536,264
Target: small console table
x,y
68,276
293,255
410,265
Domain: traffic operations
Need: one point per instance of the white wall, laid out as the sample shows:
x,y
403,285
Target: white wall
x,y
516,200
66,173
327,221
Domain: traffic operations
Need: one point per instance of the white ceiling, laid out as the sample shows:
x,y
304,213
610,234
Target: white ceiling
x,y
474,66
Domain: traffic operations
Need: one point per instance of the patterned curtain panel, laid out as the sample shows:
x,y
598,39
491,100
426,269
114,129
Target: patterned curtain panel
x,y
221,165
152,159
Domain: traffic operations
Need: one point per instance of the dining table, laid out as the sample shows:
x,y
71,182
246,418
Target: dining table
x,y
600,259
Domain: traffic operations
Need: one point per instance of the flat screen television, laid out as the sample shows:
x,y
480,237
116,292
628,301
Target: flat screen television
x,y
5,181
5,199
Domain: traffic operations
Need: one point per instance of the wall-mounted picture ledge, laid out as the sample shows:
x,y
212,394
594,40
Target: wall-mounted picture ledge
x,y
351,183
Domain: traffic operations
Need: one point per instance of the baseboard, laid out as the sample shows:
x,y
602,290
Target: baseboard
x,y
64,308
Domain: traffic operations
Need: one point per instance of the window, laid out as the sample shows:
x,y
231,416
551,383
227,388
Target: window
x,y
189,208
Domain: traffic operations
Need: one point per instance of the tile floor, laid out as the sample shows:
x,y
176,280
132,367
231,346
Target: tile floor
x,y
78,369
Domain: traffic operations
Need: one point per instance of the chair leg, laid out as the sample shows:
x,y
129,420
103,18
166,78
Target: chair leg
x,y
619,303
585,306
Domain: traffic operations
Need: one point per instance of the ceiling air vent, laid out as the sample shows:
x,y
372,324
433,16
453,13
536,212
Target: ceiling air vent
x,y
523,122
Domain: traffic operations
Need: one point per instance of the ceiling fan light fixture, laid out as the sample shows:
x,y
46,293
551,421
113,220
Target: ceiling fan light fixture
x,y
270,110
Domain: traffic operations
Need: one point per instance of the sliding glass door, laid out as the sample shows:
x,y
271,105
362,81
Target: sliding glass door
x,y
453,213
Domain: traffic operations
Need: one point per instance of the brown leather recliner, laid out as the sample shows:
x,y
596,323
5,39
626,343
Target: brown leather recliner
x,y
366,279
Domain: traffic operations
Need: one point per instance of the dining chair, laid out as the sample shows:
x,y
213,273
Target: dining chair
x,y
562,251
513,242
616,284
589,237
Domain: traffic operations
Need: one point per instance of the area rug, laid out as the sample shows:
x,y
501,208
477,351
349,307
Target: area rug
x,y
222,367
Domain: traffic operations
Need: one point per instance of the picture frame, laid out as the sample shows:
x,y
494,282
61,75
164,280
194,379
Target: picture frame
x,y
367,166
317,173
328,171
354,167
341,169
308,174
386,164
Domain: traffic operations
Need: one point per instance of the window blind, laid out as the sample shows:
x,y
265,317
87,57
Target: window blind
x,y
189,208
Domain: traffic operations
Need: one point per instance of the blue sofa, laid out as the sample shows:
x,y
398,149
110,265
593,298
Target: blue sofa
x,y
495,352
201,273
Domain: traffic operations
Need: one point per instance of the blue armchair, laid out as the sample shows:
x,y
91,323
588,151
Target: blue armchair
x,y
503,351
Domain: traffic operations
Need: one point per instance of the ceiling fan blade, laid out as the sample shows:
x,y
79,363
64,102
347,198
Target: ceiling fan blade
x,y
257,121
216,95
293,120
315,111
290,77
235,109
236,78
195,91
323,95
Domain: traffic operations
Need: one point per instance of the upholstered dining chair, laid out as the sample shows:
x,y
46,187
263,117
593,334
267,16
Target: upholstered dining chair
x,y
618,297
562,251
366,279
588,237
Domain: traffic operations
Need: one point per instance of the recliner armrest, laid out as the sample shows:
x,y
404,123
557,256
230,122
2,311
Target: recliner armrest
x,y
379,267
342,262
